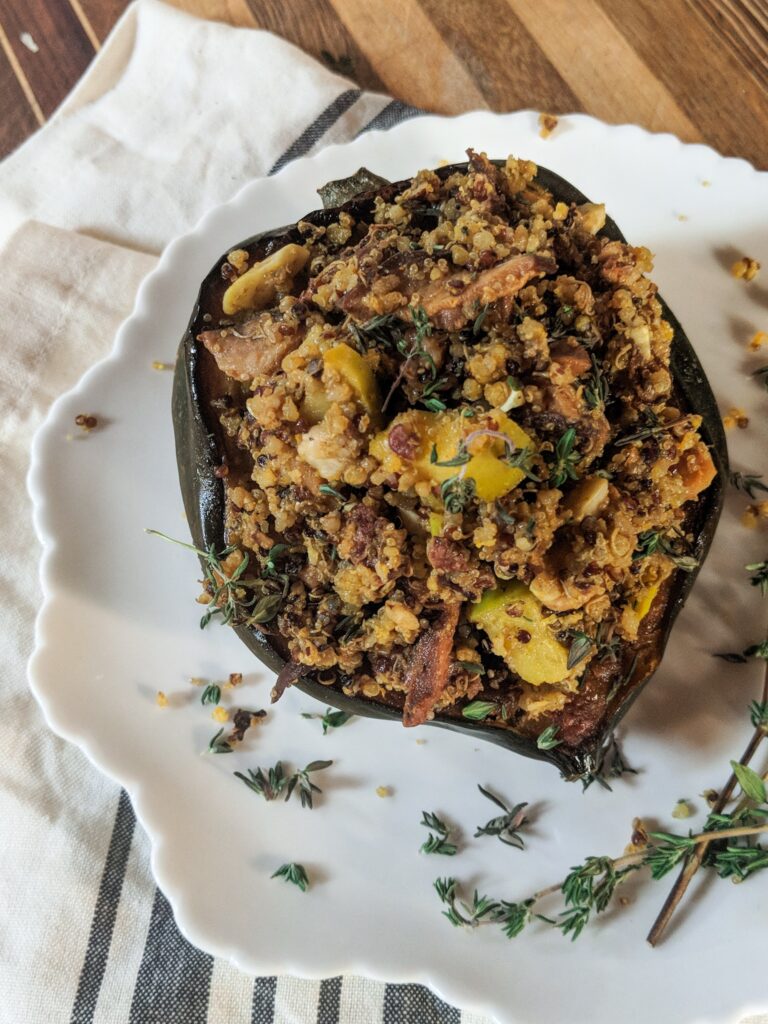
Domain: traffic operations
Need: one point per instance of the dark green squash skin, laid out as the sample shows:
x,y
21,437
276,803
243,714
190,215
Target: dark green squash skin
x,y
199,452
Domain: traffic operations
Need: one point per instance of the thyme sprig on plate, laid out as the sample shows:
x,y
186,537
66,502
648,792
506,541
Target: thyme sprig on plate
x,y
438,840
273,783
479,710
236,596
748,482
506,826
331,719
457,491
293,873
211,694
589,888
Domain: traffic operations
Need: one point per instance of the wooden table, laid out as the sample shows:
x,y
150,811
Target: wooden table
x,y
698,68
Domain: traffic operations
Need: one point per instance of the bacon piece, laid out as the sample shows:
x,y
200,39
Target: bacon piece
x,y
427,673
254,349
286,677
452,302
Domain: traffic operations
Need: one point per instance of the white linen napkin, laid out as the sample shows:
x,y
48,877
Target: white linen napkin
x,y
173,117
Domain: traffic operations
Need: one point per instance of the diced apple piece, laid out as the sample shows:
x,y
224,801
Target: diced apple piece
x,y
519,630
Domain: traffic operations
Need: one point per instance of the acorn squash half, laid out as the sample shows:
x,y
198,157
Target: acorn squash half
x,y
201,445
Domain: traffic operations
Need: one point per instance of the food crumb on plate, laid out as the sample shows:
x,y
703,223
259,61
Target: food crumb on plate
x,y
157,364
86,422
754,513
682,809
220,714
235,678
757,340
197,681
547,124
736,418
161,700
746,267
383,791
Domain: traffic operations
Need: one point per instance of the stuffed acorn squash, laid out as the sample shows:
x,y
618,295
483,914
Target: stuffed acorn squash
x,y
454,458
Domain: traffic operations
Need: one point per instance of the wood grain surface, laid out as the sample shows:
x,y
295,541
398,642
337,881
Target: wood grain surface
x,y
697,68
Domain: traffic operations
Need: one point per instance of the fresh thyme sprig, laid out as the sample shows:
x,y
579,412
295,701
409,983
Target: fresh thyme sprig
x,y
596,390
566,460
439,841
651,542
652,427
506,826
415,350
589,887
237,597
457,492
331,719
293,873
748,482
273,783
700,853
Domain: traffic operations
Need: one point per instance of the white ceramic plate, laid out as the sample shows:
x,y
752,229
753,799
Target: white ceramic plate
x,y
119,622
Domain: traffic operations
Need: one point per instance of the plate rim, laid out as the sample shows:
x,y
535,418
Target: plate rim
x,y
45,433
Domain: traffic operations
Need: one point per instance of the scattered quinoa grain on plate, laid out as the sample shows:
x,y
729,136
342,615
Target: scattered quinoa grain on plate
x,y
746,268
547,124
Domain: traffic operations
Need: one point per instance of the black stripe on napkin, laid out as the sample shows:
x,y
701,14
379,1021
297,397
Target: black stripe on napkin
x,y
329,1001
103,921
392,114
263,1004
318,128
174,979
414,1004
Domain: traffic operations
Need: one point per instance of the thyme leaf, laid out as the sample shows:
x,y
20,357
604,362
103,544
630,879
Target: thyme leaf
x,y
293,873
547,738
507,825
566,459
748,482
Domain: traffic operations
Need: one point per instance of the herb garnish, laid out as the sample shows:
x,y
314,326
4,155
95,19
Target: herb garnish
x,y
217,745
437,843
479,710
748,482
293,873
596,390
456,493
566,460
475,668
331,719
275,782
760,577
477,326
547,738
211,694
416,350
507,825
653,541
237,598
581,645
653,426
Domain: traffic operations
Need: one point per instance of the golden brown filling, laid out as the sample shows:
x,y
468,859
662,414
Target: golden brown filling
x,y
459,419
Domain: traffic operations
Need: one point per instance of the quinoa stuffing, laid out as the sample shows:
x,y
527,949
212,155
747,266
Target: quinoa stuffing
x,y
455,449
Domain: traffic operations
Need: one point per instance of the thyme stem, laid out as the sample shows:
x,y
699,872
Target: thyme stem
x,y
694,861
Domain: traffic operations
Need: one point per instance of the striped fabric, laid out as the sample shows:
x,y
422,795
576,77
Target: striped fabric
x,y
172,982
